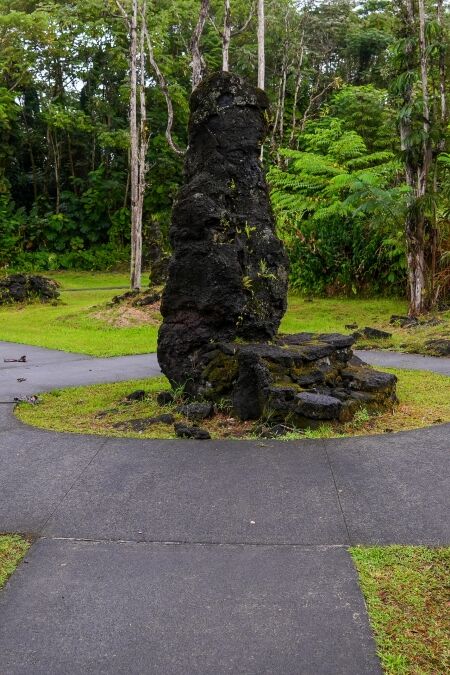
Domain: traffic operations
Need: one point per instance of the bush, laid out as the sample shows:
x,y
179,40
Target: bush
x,y
11,223
101,258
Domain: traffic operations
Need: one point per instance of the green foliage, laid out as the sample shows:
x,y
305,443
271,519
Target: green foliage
x,y
340,209
11,222
106,257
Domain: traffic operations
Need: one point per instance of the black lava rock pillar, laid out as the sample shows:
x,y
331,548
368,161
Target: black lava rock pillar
x,y
228,274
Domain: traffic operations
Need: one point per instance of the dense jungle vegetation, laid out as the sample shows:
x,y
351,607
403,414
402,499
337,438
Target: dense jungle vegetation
x,y
356,155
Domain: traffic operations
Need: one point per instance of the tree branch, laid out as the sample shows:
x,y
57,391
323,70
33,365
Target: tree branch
x,y
165,90
123,12
198,63
246,23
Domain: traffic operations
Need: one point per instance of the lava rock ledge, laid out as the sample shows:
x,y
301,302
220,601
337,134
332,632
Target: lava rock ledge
x,y
301,380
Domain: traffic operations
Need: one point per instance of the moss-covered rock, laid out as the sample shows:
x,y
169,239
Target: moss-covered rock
x,y
300,379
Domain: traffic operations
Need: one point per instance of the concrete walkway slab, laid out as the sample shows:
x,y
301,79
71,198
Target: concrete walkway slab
x,y
395,489
36,471
125,609
197,491
47,369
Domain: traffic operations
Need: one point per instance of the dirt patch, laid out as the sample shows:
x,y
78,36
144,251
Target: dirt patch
x,y
126,316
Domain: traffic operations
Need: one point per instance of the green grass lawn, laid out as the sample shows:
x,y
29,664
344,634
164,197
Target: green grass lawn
x,y
69,326
406,589
424,400
72,326
12,550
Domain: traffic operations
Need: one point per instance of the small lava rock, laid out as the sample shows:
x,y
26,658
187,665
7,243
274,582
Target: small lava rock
x,y
164,398
403,321
143,423
318,406
184,431
440,347
373,333
138,395
147,299
117,299
197,411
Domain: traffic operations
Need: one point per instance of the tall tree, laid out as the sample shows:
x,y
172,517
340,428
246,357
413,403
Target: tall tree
x,y
421,136
261,45
136,21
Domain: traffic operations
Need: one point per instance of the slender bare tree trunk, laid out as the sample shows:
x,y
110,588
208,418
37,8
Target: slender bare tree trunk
x,y
261,45
416,168
226,36
198,63
53,141
298,82
135,276
443,118
442,63
136,23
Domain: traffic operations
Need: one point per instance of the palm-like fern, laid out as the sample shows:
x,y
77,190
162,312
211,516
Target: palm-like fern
x,y
333,186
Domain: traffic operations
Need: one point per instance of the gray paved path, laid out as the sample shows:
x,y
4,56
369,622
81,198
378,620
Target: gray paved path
x,y
405,361
192,557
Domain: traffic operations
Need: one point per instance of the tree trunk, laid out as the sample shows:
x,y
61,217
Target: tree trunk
x,y
416,166
226,36
261,45
442,66
416,261
136,230
298,82
198,63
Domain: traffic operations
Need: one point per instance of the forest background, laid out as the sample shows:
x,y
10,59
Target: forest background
x,y
356,155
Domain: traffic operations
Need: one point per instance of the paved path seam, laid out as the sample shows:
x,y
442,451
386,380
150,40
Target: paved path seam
x,y
322,547
80,475
337,492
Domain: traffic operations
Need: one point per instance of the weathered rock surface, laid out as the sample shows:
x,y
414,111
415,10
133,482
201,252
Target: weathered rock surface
x,y
143,423
300,379
372,333
439,346
228,272
197,411
138,395
27,287
185,431
227,286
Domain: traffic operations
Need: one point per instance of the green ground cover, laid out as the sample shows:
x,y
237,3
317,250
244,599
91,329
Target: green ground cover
x,y
95,409
80,323
12,550
71,326
406,589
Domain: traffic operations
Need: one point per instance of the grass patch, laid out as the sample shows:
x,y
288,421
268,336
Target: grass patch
x,y
72,325
12,550
329,315
95,409
82,323
407,595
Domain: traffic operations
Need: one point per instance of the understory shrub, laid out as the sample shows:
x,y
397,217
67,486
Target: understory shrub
x,y
100,258
340,210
